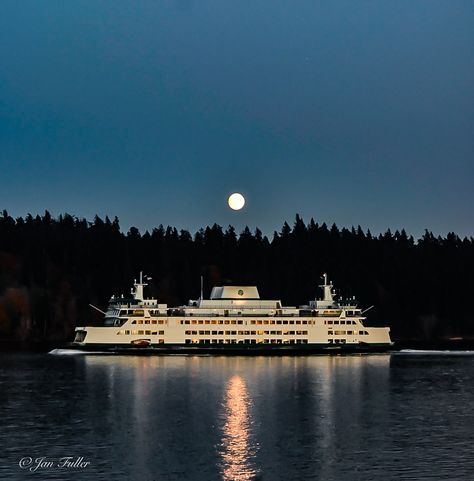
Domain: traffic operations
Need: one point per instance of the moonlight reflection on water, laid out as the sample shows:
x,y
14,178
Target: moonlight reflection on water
x,y
191,418
237,449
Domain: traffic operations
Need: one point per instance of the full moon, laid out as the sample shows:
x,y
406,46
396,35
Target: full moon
x,y
236,201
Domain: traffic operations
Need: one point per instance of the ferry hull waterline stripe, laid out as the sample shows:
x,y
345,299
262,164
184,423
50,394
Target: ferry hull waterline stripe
x,y
234,320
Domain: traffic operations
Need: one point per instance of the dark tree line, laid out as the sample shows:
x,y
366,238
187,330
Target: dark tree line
x,y
51,269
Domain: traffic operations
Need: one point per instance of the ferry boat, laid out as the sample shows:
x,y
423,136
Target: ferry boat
x,y
233,321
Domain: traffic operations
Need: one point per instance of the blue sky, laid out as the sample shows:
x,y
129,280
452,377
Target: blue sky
x,y
154,111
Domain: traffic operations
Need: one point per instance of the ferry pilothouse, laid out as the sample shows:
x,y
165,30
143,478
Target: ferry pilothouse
x,y
234,320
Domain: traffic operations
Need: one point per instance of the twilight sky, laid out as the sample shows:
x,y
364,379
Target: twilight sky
x,y
354,112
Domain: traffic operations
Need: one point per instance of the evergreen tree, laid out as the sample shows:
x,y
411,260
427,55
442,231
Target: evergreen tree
x,y
51,269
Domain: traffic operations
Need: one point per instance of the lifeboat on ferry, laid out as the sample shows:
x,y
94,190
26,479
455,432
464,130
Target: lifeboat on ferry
x,y
141,342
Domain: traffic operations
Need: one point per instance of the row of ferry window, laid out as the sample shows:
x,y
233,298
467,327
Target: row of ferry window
x,y
140,312
246,333
343,333
141,321
258,323
340,322
246,341
141,333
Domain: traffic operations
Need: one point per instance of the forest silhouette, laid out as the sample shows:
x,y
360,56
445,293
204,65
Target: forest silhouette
x,y
52,268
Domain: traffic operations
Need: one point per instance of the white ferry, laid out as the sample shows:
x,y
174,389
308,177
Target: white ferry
x,y
234,320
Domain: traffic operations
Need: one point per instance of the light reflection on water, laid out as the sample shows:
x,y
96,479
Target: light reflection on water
x,y
237,448
342,418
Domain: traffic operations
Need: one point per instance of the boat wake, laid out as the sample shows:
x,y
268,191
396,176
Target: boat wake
x,y
430,352
72,352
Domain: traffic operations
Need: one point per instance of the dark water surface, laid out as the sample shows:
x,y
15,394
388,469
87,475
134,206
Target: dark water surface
x,y
387,417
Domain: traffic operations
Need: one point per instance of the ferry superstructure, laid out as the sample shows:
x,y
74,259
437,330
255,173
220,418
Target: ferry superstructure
x,y
233,320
